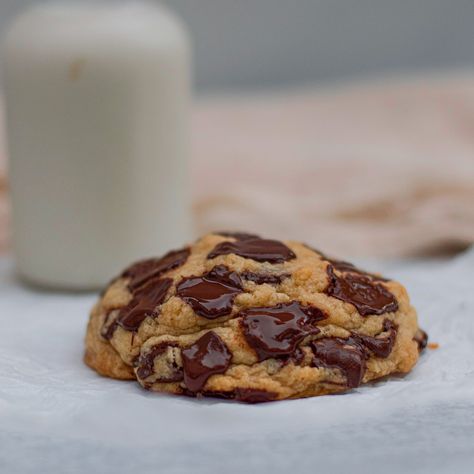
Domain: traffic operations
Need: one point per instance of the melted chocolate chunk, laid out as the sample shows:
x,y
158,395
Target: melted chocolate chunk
x,y
277,330
347,267
343,354
421,338
110,325
367,296
143,304
343,266
380,346
147,289
207,356
238,235
261,250
144,270
261,278
212,295
350,355
146,363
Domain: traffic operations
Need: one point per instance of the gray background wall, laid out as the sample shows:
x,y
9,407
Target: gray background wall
x,y
260,43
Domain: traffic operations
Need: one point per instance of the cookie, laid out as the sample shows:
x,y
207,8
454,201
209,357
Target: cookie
x,y
246,318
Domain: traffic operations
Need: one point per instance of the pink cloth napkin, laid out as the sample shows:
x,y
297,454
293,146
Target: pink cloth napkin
x,y
373,169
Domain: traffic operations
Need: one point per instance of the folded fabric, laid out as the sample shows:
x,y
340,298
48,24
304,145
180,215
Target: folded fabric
x,y
372,169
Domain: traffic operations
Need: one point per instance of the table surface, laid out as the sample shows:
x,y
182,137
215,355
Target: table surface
x,y
58,416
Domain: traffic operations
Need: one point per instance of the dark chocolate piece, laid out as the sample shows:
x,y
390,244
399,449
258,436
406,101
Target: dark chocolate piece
x,y
144,270
261,278
343,354
110,325
211,295
380,346
277,330
238,235
143,304
369,297
207,356
421,338
347,267
261,250
146,362
144,294
350,355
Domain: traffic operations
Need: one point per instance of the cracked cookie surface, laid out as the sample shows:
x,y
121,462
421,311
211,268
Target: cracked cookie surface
x,y
253,319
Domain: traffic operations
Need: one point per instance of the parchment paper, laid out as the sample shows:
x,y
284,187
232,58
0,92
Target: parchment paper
x,y
57,416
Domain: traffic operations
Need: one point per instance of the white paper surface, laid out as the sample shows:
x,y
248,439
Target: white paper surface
x,y
56,415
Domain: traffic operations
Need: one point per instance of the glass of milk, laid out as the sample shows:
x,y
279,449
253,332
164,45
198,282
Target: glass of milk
x,y
97,99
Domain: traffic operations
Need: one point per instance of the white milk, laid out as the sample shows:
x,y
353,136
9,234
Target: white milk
x,y
97,119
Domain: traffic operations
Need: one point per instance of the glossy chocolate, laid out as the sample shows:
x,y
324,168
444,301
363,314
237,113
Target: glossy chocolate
x,y
147,290
369,297
381,346
261,250
145,364
347,267
261,278
211,295
277,330
144,270
144,304
350,355
207,356
343,354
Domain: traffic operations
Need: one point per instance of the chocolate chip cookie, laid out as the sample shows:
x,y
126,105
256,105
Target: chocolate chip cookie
x,y
252,319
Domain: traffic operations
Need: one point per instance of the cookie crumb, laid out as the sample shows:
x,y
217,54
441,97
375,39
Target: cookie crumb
x,y
433,345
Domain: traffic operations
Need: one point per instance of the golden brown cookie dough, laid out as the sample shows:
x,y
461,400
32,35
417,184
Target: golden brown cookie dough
x,y
252,319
